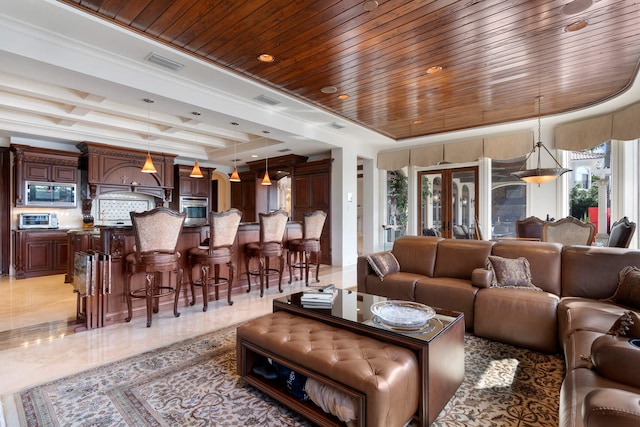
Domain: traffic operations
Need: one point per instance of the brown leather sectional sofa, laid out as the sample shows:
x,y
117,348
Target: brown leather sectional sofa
x,y
567,315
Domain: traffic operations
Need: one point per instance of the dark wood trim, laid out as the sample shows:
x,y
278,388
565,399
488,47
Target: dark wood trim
x,y
5,210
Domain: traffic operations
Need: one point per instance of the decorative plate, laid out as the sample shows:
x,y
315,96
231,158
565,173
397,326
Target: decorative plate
x,y
430,326
403,314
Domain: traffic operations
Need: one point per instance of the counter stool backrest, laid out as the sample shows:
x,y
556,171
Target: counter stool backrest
x,y
312,225
223,228
272,226
157,230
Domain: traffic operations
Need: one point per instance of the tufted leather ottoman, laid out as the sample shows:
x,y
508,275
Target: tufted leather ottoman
x,y
384,376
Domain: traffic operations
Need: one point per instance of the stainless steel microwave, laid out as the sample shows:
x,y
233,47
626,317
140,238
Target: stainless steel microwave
x,y
196,208
50,194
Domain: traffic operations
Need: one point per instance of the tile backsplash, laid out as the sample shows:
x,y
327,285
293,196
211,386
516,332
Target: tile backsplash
x,y
114,209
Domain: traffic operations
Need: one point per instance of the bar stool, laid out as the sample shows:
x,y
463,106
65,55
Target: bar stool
x,y
300,250
156,238
272,227
223,229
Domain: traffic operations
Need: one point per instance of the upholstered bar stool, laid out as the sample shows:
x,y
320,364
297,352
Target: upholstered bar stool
x,y
272,227
300,250
223,229
156,238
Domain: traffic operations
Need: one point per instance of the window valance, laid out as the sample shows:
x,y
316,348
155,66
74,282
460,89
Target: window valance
x,y
588,133
501,147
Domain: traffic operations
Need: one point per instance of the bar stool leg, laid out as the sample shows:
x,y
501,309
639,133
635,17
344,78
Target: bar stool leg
x,y
232,268
149,278
179,274
246,263
205,286
128,298
317,265
192,286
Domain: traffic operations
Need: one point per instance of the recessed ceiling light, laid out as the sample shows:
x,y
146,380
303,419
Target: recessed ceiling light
x,y
343,96
265,57
370,5
254,156
575,26
329,89
434,70
576,6
417,122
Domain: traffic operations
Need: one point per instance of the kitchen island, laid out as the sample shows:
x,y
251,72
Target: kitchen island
x,y
118,241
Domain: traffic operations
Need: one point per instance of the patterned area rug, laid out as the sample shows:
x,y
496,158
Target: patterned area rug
x,y
193,383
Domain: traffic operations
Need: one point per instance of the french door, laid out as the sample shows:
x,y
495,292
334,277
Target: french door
x,y
448,202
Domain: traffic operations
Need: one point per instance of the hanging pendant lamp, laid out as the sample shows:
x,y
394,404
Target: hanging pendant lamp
x,y
148,166
234,175
540,175
265,179
196,172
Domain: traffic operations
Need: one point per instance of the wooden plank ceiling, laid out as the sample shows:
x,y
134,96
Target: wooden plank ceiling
x,y
496,56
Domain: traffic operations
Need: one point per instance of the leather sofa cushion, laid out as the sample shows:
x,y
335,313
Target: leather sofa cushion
x,y
458,258
398,285
577,349
416,254
448,293
609,407
584,266
615,358
545,261
582,314
522,317
577,384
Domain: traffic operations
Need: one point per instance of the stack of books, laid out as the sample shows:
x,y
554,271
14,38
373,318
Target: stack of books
x,y
319,296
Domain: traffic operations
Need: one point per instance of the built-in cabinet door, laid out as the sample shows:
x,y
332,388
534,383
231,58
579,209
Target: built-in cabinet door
x,y
312,192
448,202
38,256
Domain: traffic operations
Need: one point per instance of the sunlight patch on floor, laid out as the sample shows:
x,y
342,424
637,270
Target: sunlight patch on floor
x,y
499,373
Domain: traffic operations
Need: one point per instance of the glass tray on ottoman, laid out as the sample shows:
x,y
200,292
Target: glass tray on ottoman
x,y
403,314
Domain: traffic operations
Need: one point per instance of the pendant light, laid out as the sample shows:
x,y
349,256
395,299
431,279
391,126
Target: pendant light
x,y
148,164
196,172
265,179
234,175
540,175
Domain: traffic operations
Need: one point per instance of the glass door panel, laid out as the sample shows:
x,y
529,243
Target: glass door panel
x,y
448,202
430,206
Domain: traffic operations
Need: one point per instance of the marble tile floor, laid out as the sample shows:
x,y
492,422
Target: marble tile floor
x,y
55,355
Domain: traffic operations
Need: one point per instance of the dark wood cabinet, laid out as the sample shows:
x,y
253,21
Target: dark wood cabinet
x,y
40,253
194,187
106,169
51,173
42,165
311,191
243,196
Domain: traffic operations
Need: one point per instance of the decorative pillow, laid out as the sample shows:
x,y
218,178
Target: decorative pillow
x,y
628,292
510,272
383,263
628,325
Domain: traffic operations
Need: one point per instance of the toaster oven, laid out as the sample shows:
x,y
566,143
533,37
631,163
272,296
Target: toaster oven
x,y
37,220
